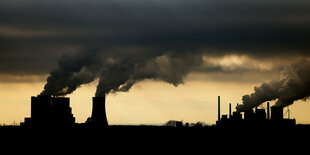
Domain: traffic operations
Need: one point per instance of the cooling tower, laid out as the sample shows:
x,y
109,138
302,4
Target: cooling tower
x,y
98,117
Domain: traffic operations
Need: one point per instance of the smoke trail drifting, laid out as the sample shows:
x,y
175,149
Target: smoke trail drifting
x,y
72,71
294,85
169,67
118,70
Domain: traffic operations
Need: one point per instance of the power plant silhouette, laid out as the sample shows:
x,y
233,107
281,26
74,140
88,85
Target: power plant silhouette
x,y
257,118
50,111
47,111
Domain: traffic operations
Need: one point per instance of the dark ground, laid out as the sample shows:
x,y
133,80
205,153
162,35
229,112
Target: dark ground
x,y
157,132
155,139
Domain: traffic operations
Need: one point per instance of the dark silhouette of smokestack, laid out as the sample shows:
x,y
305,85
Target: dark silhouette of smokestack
x,y
99,118
268,111
219,108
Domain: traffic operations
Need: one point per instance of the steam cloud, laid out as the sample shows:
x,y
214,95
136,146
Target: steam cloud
x,y
118,71
292,86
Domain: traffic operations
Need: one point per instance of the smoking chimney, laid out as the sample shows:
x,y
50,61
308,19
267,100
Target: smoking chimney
x,y
99,118
219,108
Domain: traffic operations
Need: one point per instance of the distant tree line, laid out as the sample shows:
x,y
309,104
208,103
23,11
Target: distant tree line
x,y
174,123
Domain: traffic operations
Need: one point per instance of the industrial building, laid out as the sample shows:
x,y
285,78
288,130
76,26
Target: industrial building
x,y
255,118
47,111
50,111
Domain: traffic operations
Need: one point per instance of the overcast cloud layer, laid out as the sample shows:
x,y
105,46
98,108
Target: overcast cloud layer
x,y
34,34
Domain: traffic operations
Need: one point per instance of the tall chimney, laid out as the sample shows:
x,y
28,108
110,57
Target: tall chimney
x,y
229,110
219,108
99,118
268,111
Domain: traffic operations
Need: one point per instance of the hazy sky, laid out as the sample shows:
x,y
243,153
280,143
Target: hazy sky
x,y
180,54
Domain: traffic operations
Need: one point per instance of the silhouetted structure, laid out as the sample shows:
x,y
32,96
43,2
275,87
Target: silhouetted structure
x,y
249,114
260,114
229,110
219,108
268,111
236,116
276,113
257,118
47,111
98,117
50,111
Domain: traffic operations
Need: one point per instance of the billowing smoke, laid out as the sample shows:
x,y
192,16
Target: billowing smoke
x,y
168,67
118,70
293,85
72,71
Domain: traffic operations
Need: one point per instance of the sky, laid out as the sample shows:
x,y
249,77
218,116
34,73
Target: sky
x,y
157,60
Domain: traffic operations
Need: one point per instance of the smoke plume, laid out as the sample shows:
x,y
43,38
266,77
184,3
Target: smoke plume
x,y
168,67
292,86
72,71
117,70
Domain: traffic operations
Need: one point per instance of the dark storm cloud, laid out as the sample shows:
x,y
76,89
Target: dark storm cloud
x,y
253,26
136,37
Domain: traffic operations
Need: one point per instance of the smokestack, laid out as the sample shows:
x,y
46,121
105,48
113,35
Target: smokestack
x,y
219,108
99,118
229,110
268,111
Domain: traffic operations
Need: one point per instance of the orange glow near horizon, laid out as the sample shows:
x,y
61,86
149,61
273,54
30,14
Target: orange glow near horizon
x,y
148,102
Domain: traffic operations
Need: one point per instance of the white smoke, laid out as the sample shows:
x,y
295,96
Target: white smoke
x,y
293,85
